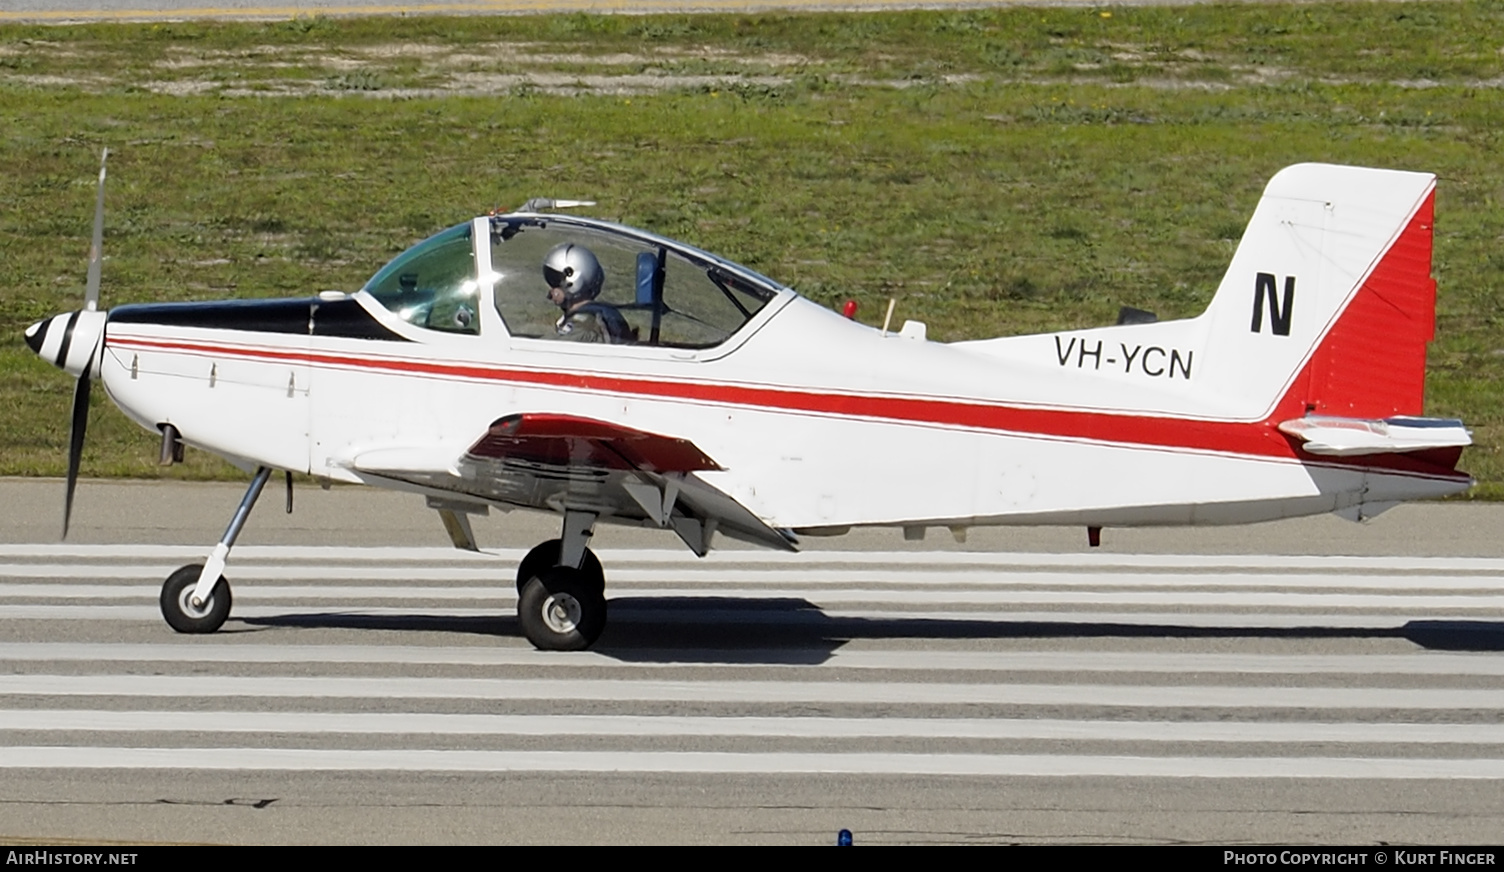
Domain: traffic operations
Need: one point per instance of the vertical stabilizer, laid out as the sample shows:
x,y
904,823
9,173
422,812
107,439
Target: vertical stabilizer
x,y
1326,309
1329,302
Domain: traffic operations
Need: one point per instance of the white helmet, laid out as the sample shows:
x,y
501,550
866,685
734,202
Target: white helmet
x,y
574,270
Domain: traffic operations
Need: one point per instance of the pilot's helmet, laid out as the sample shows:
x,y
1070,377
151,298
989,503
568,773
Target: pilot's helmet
x,y
574,270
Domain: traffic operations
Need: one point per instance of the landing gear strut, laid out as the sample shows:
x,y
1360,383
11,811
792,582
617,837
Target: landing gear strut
x,y
561,589
196,598
546,556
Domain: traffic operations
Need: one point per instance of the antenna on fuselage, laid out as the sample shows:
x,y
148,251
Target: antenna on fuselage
x,y
545,204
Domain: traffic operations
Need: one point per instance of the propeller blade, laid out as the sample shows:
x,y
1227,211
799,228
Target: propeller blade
x,y
76,440
96,250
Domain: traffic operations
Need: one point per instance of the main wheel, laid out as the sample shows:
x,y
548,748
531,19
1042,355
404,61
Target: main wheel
x,y
546,556
562,610
177,602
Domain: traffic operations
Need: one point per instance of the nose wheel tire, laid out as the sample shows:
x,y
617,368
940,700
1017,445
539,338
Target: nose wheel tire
x,y
562,610
177,602
546,556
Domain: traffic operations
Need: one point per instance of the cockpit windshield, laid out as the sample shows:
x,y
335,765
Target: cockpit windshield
x,y
558,279
433,284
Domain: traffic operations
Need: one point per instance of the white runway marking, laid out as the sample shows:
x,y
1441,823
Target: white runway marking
x,y
1419,663
84,720
614,557
1392,713
497,579
652,583
969,765
332,613
780,692
1238,599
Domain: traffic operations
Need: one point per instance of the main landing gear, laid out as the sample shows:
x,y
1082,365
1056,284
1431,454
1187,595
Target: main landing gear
x,y
196,598
561,589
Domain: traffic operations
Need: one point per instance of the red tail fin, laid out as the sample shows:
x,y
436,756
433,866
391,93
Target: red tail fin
x,y
1372,363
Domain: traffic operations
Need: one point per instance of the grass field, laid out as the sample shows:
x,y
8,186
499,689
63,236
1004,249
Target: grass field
x,y
998,171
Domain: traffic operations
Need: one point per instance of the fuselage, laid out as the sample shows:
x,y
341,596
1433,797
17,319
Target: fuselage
x,y
814,422
819,423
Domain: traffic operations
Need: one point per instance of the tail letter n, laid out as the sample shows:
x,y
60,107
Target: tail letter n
x,y
1279,312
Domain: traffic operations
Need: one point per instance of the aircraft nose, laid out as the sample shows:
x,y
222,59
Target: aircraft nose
x,y
34,336
70,341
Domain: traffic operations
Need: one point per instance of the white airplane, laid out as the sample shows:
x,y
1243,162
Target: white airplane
x,y
714,400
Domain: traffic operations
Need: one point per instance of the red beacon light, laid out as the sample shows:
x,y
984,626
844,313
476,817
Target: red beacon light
x,y
849,310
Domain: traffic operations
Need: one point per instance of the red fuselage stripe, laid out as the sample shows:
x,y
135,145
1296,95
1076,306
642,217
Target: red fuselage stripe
x,y
1260,439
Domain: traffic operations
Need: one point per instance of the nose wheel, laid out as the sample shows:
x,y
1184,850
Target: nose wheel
x,y
181,612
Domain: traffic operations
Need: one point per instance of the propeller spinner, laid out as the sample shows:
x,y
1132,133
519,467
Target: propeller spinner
x,y
73,342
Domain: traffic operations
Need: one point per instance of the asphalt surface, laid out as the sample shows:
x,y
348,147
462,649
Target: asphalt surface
x,y
1309,682
196,514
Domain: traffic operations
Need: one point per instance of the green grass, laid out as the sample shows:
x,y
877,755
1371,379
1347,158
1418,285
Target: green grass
x,y
998,171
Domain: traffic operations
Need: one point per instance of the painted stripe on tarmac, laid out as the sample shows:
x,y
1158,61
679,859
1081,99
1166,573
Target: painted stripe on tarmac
x,y
1418,663
805,558
843,596
1253,621
299,759
773,692
499,577
403,723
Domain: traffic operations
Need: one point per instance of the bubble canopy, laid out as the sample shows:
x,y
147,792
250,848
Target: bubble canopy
x,y
655,291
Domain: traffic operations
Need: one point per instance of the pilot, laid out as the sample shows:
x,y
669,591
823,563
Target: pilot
x,y
574,279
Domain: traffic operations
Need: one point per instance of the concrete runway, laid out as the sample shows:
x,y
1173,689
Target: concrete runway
x,y
1310,682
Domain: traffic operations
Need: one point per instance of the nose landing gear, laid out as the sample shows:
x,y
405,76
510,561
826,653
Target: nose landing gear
x,y
196,598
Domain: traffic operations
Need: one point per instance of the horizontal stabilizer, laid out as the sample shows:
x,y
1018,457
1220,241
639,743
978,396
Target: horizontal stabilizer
x,y
1347,437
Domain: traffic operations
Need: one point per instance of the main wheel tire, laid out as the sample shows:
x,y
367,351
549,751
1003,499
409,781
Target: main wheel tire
x,y
177,602
546,556
562,610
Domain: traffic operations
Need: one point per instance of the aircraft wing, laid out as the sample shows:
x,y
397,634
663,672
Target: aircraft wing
x,y
559,462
